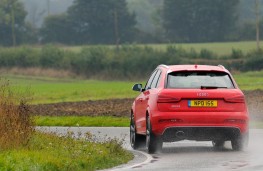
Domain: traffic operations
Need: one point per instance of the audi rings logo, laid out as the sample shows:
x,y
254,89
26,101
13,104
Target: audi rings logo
x,y
203,94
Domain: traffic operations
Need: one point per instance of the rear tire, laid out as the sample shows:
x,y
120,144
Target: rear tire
x,y
218,144
240,142
136,140
153,143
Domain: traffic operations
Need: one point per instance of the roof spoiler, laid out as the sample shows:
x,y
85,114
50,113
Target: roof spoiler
x,y
221,66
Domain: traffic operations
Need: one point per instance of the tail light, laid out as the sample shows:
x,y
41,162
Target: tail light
x,y
237,99
167,99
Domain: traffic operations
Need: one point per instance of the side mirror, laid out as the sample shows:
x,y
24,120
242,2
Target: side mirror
x,y
137,87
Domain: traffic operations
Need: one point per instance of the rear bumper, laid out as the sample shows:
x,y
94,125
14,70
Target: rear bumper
x,y
199,125
200,133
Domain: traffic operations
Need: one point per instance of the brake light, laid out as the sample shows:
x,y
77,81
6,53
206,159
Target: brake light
x,y
237,99
167,99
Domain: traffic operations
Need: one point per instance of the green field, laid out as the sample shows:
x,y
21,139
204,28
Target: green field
x,y
51,90
220,48
223,48
250,80
100,121
76,121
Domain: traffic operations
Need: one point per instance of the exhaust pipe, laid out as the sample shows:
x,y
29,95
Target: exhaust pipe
x,y
180,134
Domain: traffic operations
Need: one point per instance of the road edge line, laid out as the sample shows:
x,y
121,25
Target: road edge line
x,y
149,158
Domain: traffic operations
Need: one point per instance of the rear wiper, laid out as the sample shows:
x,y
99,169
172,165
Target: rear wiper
x,y
211,87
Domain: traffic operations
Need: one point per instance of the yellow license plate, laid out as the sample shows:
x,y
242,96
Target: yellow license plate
x,y
202,103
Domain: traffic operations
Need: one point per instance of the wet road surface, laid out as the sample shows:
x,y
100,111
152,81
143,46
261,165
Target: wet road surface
x,y
185,155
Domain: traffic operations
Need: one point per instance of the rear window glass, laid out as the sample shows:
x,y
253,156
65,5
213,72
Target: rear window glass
x,y
199,79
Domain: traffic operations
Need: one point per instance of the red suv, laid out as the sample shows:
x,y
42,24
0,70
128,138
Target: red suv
x,y
193,102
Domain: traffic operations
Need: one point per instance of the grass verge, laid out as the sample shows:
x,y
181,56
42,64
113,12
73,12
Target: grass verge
x,y
49,152
99,121
16,125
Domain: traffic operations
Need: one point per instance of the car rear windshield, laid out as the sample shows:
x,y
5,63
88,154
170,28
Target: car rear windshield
x,y
199,79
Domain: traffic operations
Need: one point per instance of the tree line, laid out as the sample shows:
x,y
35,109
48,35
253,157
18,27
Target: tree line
x,y
129,62
110,22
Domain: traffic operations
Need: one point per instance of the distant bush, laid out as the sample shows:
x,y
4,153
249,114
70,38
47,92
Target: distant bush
x,y
51,57
253,61
207,54
21,57
236,54
125,62
192,53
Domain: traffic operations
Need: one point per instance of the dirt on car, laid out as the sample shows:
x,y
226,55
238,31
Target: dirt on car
x,y
122,107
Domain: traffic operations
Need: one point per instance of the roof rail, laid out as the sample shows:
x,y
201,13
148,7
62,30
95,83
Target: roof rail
x,y
221,66
163,65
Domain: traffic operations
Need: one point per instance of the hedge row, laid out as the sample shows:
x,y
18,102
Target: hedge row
x,y
126,62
